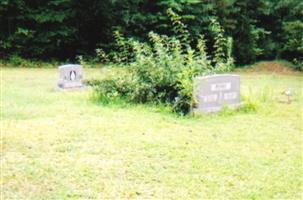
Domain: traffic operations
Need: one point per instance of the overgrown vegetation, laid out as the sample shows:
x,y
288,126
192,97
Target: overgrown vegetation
x,y
162,69
62,29
17,61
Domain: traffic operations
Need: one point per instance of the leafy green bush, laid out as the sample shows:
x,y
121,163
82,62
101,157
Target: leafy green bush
x,y
162,70
298,64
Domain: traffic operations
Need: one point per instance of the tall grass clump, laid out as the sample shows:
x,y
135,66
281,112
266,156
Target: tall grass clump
x,y
162,69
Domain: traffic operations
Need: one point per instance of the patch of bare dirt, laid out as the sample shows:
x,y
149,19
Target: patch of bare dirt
x,y
271,67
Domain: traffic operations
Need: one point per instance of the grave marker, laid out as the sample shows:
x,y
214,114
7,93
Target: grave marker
x,y
213,92
70,76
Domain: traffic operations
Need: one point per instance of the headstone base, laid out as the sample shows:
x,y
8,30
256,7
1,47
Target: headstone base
x,y
216,109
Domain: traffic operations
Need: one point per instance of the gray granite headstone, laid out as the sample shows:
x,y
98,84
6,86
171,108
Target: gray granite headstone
x,y
70,76
213,92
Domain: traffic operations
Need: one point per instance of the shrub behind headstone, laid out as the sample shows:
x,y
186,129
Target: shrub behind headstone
x,y
162,71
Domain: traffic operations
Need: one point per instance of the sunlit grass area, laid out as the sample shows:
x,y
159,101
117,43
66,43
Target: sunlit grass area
x,y
63,145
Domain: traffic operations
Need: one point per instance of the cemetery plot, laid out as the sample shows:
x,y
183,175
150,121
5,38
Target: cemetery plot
x,y
60,145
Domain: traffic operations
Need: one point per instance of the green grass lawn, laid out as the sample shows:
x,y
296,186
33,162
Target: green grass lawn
x,y
62,145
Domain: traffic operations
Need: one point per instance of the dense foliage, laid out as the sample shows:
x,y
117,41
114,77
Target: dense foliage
x,y
162,69
261,29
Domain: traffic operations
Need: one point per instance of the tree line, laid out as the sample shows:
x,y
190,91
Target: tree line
x,y
62,29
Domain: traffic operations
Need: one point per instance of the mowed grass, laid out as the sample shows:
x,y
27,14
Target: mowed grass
x,y
62,145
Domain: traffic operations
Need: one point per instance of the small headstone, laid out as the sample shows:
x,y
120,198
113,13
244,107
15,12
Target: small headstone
x,y
70,76
213,92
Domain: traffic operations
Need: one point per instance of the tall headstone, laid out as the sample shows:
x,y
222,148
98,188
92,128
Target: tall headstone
x,y
213,92
70,76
